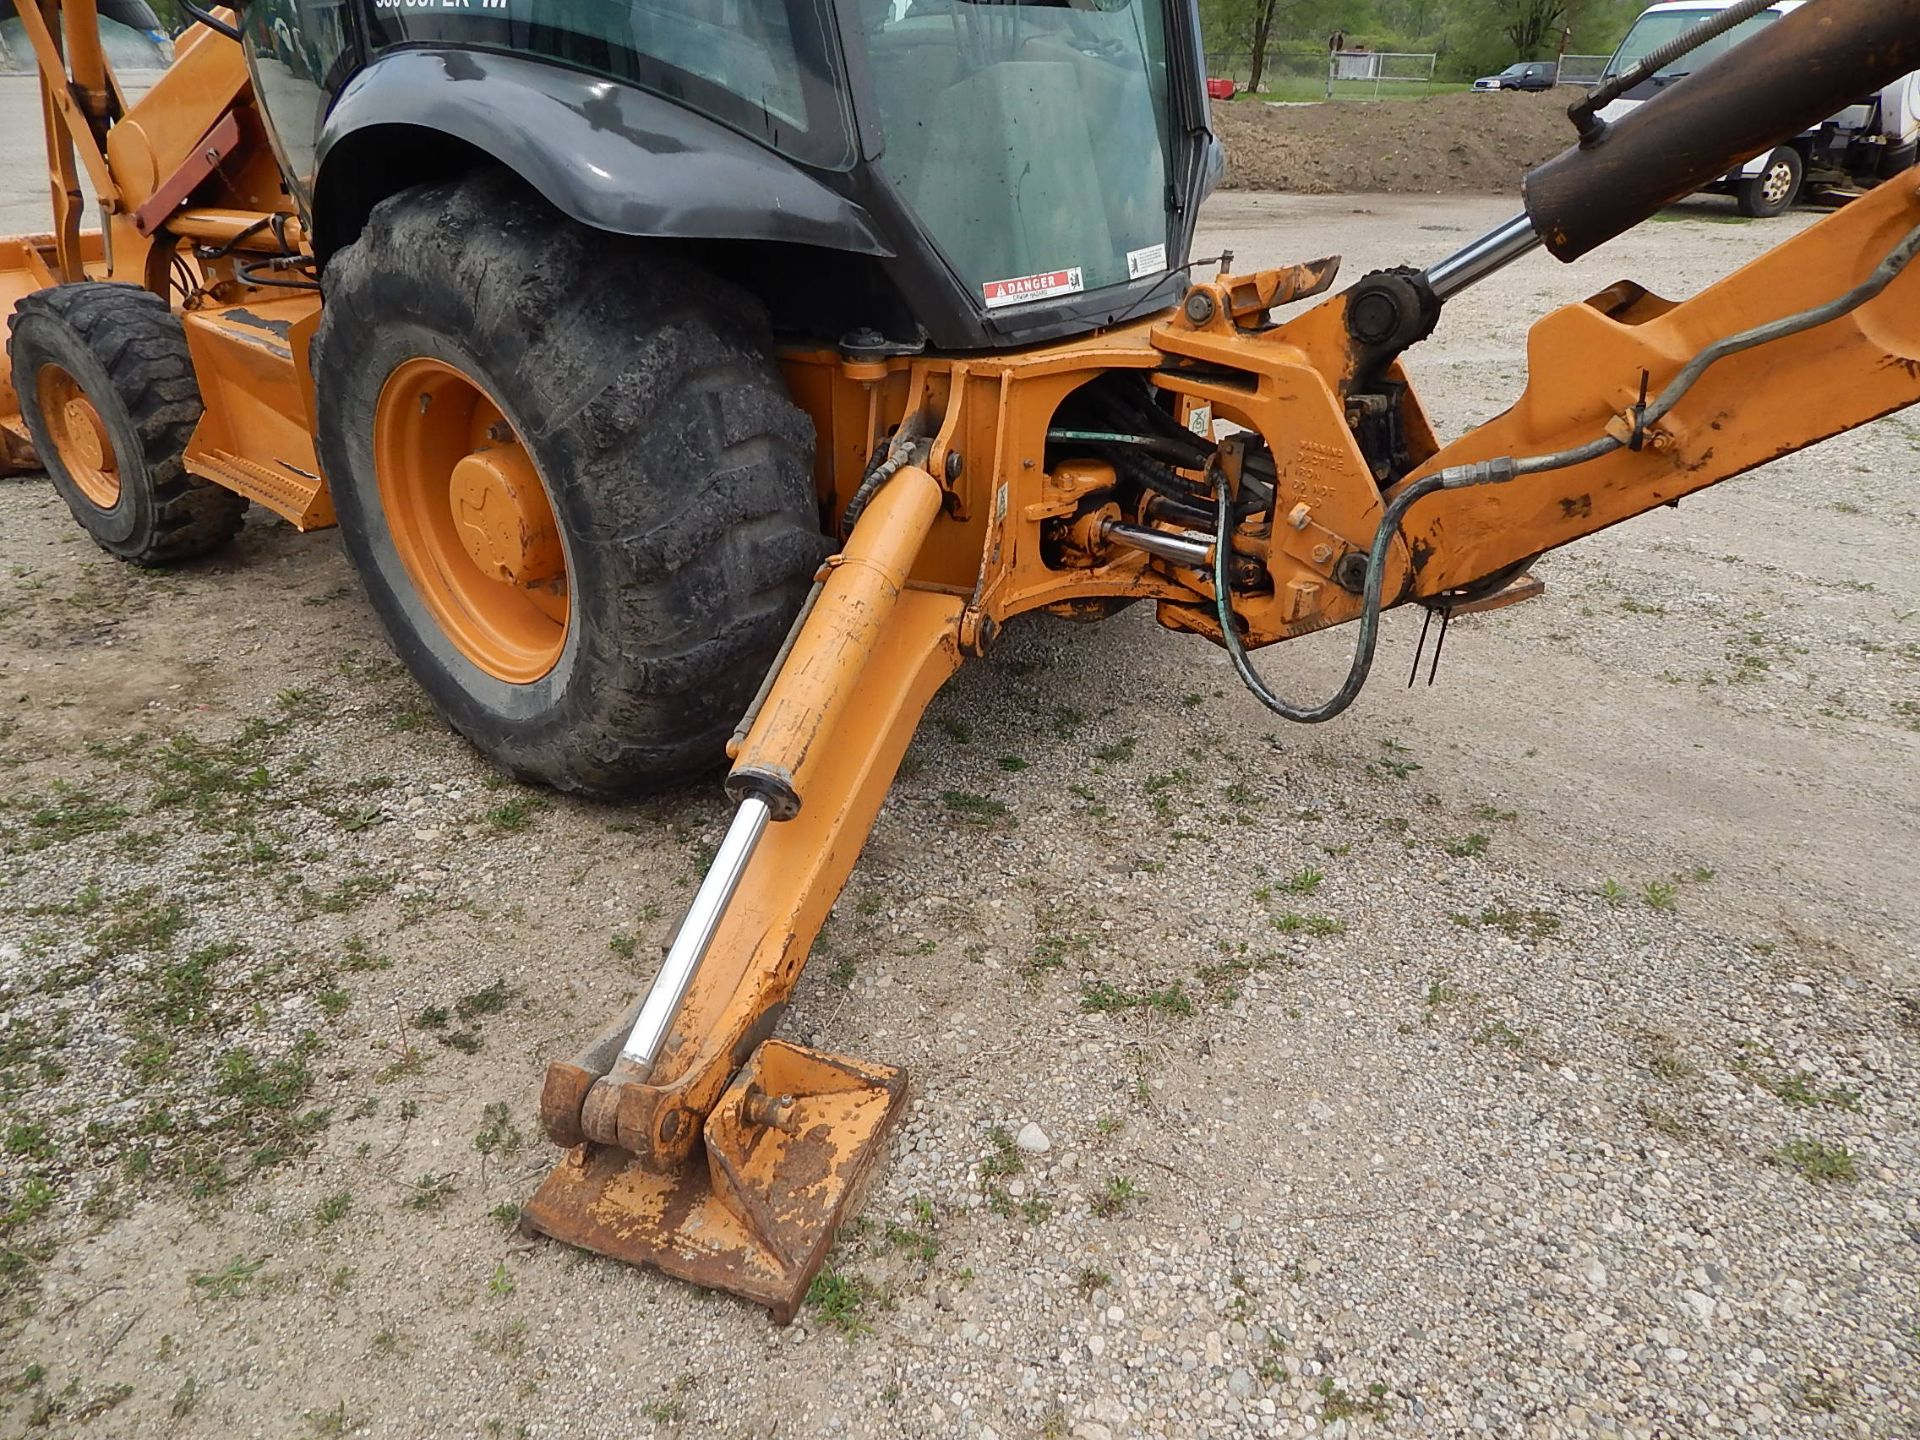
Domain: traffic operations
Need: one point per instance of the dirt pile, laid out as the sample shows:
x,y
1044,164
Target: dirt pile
x,y
1460,143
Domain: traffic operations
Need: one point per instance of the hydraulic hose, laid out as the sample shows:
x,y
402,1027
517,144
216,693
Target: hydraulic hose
x,y
1584,111
1499,472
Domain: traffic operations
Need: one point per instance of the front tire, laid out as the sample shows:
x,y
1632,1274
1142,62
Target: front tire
x,y
1776,186
570,478
109,398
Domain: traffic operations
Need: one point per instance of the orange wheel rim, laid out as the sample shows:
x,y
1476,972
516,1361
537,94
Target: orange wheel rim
x,y
79,436
471,520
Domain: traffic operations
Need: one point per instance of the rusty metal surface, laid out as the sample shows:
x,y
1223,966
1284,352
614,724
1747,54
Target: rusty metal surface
x,y
754,1214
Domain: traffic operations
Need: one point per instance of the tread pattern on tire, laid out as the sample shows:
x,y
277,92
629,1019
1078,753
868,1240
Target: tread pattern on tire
x,y
653,394
142,347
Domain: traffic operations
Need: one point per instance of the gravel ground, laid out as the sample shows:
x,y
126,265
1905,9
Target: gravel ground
x,y
1531,1055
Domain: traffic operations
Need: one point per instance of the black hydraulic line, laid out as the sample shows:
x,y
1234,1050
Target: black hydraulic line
x,y
1164,447
1499,472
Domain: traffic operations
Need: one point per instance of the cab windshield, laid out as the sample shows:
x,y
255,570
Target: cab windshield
x,y
1030,138
1656,28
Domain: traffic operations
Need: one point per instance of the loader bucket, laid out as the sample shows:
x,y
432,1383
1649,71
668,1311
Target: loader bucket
x,y
27,265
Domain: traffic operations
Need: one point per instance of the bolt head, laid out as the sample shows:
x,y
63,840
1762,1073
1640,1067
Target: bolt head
x,y
1199,306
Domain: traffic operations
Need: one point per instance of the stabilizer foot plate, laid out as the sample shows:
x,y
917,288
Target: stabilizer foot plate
x,y
787,1148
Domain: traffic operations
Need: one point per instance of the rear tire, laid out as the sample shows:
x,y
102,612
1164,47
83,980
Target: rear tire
x,y
108,394
1775,188
639,397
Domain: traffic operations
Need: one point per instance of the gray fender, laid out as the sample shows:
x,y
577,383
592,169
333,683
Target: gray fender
x,y
610,156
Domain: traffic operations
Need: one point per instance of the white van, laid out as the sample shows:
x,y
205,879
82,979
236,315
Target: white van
x,y
1862,145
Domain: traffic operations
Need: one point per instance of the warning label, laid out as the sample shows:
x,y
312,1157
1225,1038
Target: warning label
x,y
1023,289
1150,261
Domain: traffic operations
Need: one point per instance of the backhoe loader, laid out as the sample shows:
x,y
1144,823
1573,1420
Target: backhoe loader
x,y
702,382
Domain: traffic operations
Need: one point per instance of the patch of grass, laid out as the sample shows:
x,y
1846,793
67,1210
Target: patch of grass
x,y
359,958
1086,1280
514,815
1660,894
1295,924
1466,846
501,1284
29,1141
1053,951
32,1200
1101,998
1012,764
837,1301
919,1238
1498,1032
1338,1404
1116,1197
1119,752
955,728
497,1135
330,1422
1520,924
231,1281
69,813
1818,1161
488,1000
1005,1159
141,922
1793,1088
430,1192
1302,882
972,809
333,1209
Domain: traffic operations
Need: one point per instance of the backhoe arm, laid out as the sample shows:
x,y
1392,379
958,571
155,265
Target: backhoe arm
x,y
1083,476
1596,370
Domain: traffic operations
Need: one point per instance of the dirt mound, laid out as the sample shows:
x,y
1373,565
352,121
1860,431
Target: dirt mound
x,y
1460,143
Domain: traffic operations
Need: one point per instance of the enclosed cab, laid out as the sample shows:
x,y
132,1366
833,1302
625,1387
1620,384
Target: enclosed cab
x,y
1862,145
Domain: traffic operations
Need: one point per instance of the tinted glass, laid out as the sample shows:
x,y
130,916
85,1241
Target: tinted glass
x,y
1650,32
764,67
1031,139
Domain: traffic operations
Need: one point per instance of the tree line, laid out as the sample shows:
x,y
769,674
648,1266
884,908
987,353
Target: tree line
x,y
1470,37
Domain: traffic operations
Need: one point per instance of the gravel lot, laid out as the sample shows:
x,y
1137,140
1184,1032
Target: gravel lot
x,y
1531,1055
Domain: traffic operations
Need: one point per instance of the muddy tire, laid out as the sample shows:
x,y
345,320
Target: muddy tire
x,y
624,409
107,391
1776,186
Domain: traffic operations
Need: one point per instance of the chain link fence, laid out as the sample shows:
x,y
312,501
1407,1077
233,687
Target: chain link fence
x,y
1302,73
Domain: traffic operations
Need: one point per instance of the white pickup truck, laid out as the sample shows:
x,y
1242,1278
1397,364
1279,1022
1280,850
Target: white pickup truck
x,y
1862,145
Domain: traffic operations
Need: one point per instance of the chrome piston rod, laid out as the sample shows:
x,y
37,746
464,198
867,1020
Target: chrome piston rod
x,y
695,936
1493,251
1189,550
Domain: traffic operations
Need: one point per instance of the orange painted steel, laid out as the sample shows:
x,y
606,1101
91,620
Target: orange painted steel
x,y
471,520
783,749
85,449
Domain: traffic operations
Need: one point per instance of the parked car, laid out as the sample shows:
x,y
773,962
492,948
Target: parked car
x,y
1522,75
1867,142
1222,89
